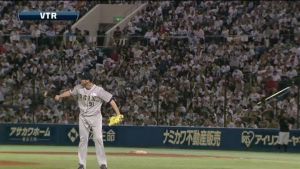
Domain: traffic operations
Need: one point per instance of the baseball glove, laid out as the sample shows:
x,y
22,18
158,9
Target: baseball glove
x,y
115,120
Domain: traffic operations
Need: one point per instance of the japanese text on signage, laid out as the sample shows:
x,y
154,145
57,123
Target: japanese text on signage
x,y
193,137
29,134
249,137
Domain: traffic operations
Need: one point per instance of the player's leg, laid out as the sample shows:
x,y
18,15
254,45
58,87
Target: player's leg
x,y
286,141
98,139
280,139
84,138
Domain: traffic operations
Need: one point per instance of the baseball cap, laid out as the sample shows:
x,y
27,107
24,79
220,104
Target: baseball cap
x,y
86,76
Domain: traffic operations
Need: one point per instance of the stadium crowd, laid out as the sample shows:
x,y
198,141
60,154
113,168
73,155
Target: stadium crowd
x,y
183,63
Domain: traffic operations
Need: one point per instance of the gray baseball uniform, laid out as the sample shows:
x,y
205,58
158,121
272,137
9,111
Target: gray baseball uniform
x,y
90,102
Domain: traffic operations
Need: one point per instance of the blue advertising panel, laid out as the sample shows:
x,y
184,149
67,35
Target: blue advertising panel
x,y
70,135
28,134
137,136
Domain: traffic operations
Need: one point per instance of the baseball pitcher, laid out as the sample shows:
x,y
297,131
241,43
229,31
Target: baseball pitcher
x,y
90,98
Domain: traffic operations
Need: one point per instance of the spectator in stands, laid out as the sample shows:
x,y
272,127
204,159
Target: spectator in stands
x,y
117,36
271,85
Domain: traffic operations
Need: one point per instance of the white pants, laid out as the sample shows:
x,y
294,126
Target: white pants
x,y
85,124
283,138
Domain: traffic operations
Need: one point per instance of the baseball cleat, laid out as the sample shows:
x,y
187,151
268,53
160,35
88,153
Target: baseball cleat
x,y
103,166
81,166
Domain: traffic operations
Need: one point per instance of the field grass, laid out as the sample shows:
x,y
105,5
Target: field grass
x,y
117,158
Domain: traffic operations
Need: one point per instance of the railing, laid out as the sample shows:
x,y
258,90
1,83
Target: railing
x,y
122,24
